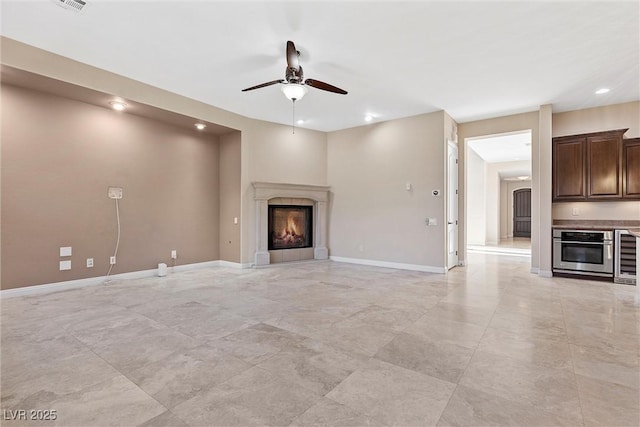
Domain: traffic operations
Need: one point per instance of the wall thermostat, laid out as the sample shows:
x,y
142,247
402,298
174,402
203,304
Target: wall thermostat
x,y
435,192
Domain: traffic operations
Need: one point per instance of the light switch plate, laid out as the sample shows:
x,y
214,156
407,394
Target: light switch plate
x,y
65,265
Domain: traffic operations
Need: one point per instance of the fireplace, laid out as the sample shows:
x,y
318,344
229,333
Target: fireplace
x,y
313,199
290,227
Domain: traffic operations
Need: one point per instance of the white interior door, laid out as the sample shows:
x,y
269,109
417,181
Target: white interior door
x,y
452,205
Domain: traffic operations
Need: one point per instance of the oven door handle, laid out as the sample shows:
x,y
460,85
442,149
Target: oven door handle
x,y
606,242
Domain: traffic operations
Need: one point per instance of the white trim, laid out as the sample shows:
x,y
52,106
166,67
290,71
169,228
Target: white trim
x,y
93,281
230,264
545,273
195,266
534,270
387,264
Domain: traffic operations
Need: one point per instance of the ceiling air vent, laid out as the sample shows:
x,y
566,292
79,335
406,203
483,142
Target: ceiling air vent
x,y
75,5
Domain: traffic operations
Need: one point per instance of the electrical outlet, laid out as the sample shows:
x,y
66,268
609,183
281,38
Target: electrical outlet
x,y
89,262
65,265
114,193
174,254
575,212
112,260
65,251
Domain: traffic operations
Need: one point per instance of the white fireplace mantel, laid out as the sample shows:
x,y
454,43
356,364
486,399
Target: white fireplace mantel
x,y
265,191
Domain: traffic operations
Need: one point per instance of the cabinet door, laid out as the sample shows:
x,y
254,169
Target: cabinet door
x,y
631,169
604,167
569,169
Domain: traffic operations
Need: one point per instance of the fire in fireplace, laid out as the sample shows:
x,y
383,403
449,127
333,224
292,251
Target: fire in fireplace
x,y
290,227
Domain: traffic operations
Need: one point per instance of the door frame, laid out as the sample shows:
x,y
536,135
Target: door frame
x,y
452,208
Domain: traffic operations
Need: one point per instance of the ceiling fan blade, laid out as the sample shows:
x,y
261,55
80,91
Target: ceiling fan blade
x,y
292,56
263,85
324,86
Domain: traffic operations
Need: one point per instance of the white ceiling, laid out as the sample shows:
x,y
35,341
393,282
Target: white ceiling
x,y
511,147
473,59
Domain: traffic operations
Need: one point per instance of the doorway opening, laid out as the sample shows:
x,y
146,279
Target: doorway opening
x,y
498,189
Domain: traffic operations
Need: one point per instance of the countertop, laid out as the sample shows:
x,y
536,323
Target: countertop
x,y
605,225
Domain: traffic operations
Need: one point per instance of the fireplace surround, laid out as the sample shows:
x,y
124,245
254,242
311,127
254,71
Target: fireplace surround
x,y
301,197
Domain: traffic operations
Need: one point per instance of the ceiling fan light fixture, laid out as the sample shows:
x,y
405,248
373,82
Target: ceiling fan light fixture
x,y
294,91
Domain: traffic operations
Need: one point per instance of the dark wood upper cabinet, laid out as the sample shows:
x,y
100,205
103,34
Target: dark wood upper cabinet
x,y
631,168
596,166
604,166
569,169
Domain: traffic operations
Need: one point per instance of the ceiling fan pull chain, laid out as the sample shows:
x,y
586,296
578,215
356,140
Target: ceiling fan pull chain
x,y
293,117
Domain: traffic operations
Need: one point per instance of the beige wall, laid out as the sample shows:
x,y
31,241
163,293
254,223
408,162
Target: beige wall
x,y
475,200
373,216
600,210
272,153
230,207
492,206
58,158
619,116
269,152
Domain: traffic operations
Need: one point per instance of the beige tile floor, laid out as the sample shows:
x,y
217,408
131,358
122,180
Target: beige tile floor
x,y
511,245
327,344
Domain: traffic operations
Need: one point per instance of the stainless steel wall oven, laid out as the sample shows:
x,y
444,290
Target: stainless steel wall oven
x,y
587,252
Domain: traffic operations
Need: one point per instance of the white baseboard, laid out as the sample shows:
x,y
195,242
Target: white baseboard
x,y
230,264
93,281
545,273
534,270
195,266
386,264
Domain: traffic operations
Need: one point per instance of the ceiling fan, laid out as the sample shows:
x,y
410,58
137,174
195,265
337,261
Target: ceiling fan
x,y
294,86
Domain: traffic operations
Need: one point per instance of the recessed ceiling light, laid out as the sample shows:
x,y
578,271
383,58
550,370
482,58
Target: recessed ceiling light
x,y
602,91
522,178
200,126
118,106
368,118
300,122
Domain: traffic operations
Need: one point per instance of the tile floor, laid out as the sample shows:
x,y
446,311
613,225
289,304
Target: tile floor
x,y
327,344
512,245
